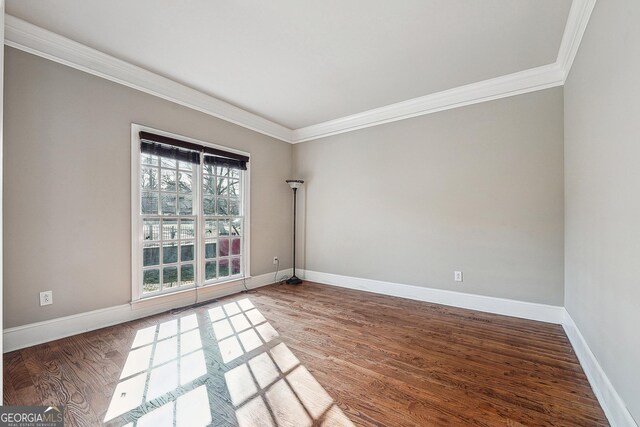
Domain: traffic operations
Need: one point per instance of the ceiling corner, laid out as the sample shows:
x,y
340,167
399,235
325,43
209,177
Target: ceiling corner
x,y
577,21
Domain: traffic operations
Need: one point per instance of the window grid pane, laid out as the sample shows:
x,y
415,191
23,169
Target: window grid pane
x,y
223,223
168,219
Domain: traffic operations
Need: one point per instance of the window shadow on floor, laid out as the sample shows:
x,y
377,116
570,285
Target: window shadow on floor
x,y
227,366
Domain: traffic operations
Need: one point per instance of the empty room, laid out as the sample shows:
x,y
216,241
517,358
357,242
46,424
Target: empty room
x,y
335,213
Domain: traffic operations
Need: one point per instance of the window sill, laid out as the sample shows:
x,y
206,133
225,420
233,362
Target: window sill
x,y
186,297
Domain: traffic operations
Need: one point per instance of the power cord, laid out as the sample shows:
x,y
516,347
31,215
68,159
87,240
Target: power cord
x,y
275,277
196,303
246,290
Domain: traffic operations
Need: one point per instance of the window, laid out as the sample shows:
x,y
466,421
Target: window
x,y
222,206
188,222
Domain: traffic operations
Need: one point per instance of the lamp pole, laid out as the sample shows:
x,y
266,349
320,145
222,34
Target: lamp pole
x,y
294,184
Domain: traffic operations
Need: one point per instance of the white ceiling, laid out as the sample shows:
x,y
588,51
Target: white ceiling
x,y
300,63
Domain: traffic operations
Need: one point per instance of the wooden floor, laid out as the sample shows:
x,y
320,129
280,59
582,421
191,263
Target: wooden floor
x,y
310,355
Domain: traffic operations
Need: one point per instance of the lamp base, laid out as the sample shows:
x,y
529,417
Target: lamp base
x,y
293,281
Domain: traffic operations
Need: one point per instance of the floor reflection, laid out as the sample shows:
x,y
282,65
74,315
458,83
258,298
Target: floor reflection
x,y
227,366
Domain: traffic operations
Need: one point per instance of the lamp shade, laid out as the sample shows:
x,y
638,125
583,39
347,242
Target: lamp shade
x,y
295,183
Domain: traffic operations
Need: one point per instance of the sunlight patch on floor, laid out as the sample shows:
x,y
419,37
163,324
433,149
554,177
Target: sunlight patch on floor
x,y
170,378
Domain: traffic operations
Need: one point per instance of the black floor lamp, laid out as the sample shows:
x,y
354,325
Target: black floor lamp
x,y
294,184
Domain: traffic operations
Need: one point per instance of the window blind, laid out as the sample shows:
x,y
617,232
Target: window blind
x,y
189,152
225,162
170,152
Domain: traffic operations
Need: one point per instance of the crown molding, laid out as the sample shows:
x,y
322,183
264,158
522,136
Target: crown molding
x,y
530,80
500,87
38,41
573,31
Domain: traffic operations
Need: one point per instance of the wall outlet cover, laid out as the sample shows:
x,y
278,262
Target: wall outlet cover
x,y
46,298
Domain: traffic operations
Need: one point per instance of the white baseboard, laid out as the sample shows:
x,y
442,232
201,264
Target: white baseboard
x,y
49,330
611,402
507,307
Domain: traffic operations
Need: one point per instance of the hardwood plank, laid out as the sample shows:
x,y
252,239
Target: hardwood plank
x,y
307,355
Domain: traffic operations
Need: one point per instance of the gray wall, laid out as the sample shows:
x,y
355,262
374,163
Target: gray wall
x,y
477,189
602,168
67,182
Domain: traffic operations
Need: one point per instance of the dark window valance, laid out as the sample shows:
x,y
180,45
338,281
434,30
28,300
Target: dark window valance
x,y
225,162
226,154
170,152
190,152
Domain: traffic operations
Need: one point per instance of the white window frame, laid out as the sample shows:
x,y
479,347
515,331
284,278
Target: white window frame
x,y
136,219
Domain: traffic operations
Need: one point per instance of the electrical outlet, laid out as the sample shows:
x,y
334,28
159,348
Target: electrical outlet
x,y
457,276
275,260
46,298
